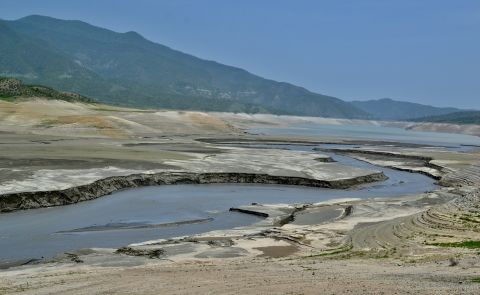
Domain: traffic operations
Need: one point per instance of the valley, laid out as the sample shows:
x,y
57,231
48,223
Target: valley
x,y
239,147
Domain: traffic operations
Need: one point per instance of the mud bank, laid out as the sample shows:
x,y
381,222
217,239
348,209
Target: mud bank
x,y
275,215
102,187
415,162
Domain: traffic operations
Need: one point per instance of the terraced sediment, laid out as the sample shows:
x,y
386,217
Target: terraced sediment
x,y
469,176
421,234
431,232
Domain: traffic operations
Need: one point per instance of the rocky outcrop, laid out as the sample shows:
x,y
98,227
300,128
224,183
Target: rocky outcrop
x,y
102,187
150,253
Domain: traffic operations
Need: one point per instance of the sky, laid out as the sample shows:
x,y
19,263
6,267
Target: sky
x,y
425,51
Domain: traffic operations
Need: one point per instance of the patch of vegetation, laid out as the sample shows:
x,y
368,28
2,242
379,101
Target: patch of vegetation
x,y
469,219
12,89
7,98
464,244
475,280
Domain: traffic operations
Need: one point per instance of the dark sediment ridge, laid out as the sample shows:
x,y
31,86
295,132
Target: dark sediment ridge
x,y
102,187
421,160
282,141
252,212
122,226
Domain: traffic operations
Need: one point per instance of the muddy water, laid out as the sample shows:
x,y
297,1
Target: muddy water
x,y
141,214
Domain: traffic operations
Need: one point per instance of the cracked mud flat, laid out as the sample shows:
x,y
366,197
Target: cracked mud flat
x,y
371,246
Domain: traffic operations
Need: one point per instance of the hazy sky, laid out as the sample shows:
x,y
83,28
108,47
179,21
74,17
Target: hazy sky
x,y
418,50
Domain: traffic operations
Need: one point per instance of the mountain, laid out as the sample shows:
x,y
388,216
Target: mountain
x,y
12,89
34,61
127,69
389,109
465,117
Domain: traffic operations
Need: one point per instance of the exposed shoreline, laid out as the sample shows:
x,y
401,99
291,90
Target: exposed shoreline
x,y
425,161
106,186
392,244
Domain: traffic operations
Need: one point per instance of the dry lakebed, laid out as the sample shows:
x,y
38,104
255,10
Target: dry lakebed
x,y
97,199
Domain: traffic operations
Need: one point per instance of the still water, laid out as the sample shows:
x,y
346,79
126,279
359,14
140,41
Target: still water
x,y
372,132
105,222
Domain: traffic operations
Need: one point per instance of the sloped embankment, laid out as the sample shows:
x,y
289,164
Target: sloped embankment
x,y
102,187
453,224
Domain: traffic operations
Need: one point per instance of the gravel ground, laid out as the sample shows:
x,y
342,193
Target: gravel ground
x,y
251,276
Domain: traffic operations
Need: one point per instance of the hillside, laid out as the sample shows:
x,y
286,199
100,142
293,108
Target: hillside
x,y
11,89
389,109
127,69
466,117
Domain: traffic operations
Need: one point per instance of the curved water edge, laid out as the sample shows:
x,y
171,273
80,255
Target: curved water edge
x,y
106,186
153,212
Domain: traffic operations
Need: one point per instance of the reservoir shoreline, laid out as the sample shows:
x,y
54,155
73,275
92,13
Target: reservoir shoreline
x,y
32,200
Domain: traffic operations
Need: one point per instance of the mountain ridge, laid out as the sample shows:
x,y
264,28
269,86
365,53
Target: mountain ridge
x,y
128,69
390,109
462,118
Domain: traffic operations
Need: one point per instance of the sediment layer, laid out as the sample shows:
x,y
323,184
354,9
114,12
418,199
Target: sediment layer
x,y
102,187
452,222
421,160
469,176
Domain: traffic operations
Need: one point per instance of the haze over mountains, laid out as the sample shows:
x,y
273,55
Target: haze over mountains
x,y
127,69
389,109
463,117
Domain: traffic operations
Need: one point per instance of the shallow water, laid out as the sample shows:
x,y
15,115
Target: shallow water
x,y
48,231
379,133
137,215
